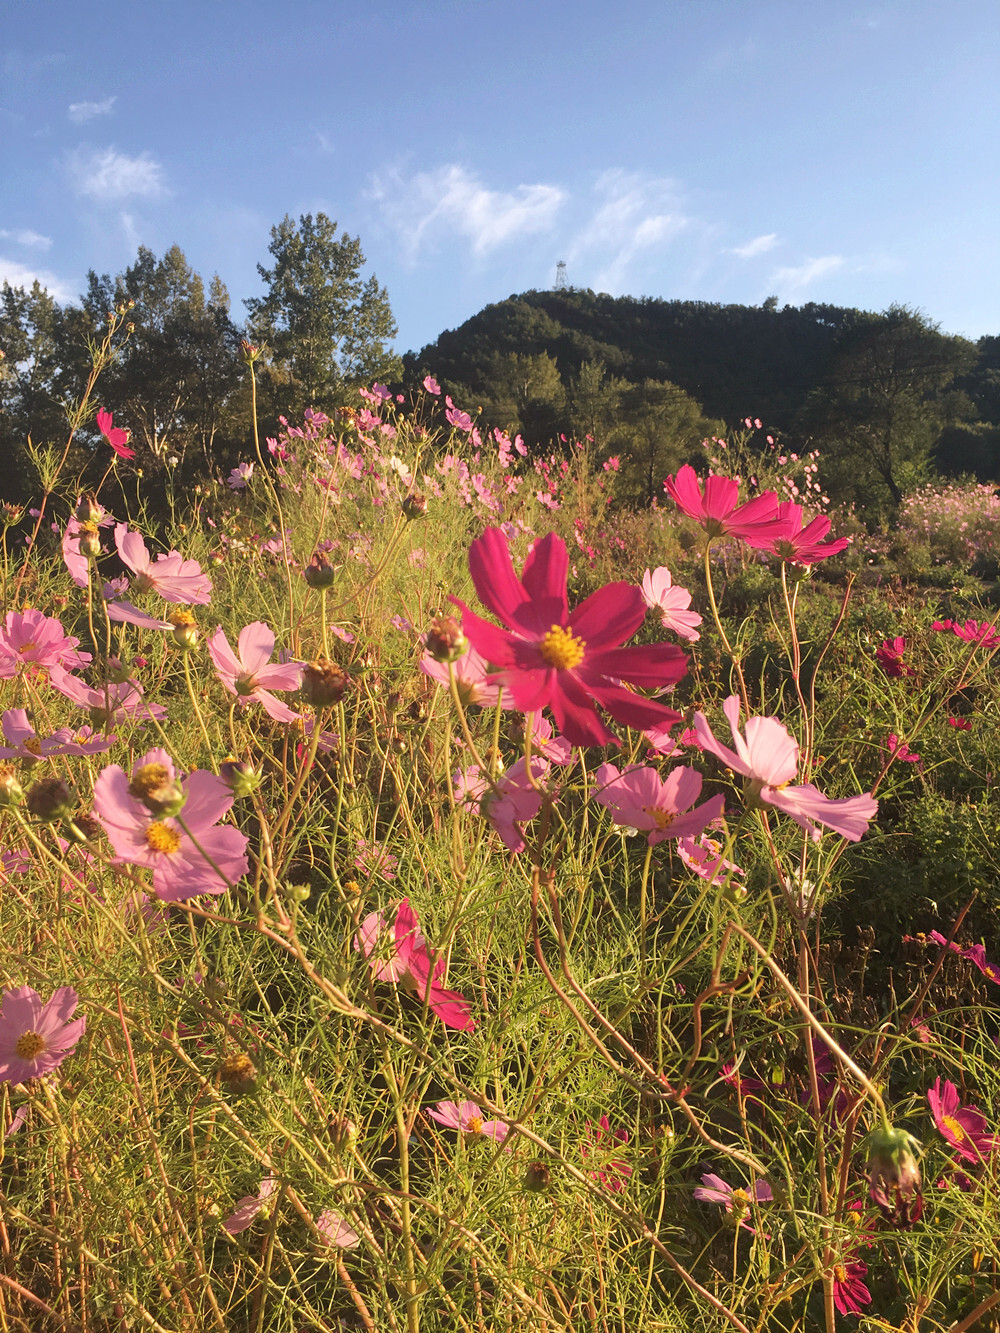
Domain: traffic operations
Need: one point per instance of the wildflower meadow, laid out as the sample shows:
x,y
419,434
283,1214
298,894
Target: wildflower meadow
x,y
437,897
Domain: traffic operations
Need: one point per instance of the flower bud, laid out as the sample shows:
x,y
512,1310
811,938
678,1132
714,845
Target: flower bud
x,y
10,789
118,672
87,509
238,1073
319,573
537,1178
10,513
240,776
445,641
49,799
414,505
161,794
185,629
323,683
343,1132
894,1175
89,541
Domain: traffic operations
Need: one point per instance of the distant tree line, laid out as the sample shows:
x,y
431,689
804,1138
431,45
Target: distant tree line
x,y
178,380
888,398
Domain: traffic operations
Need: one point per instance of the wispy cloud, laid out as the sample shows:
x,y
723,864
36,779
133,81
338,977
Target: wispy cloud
x,y
450,199
20,275
24,236
758,246
80,112
107,175
635,214
789,280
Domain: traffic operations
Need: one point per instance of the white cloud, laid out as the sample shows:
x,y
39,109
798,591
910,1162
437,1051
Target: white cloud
x,y
131,231
451,199
19,275
107,175
758,246
639,214
24,236
79,112
789,280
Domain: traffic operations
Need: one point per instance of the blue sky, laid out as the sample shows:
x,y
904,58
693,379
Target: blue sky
x,y
721,150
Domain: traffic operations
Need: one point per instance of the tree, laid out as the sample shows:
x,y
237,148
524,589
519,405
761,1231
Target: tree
x,y
326,328
886,399
660,428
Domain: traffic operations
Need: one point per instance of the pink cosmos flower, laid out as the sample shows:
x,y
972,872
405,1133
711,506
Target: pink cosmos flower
x,y
36,1038
769,759
663,595
239,477
171,576
374,859
171,827
901,751
719,512
467,1118
250,1207
963,1126
475,685
24,743
804,545
601,1139
639,798
111,703
115,436
31,641
704,857
456,417
973,631
513,802
250,674
431,385
335,1232
735,1201
409,962
549,656
849,1290
975,953
890,657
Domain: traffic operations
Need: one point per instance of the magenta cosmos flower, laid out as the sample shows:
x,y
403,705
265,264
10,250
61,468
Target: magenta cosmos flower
x,y
719,512
32,641
662,594
36,1038
467,1118
803,544
736,1202
549,657
172,827
975,953
171,576
115,436
407,960
890,657
849,1291
963,1126
601,1140
250,674
662,807
769,759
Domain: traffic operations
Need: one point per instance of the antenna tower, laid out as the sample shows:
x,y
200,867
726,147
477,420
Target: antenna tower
x,y
561,275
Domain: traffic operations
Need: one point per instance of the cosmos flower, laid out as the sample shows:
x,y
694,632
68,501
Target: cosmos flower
x,y
849,1290
736,1202
115,436
769,758
408,961
663,595
250,1207
613,1173
662,807
567,661
890,658
250,674
31,641
467,1118
171,576
963,1126
24,743
719,512
36,1038
803,544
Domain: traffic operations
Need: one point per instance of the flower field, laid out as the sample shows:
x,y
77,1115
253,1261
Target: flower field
x,y
435,898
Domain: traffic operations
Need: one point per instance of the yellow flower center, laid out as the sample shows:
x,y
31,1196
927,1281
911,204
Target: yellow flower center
x,y
30,1045
740,1203
147,779
28,647
33,745
181,619
162,838
951,1123
662,818
839,1273
142,583
474,1124
561,649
